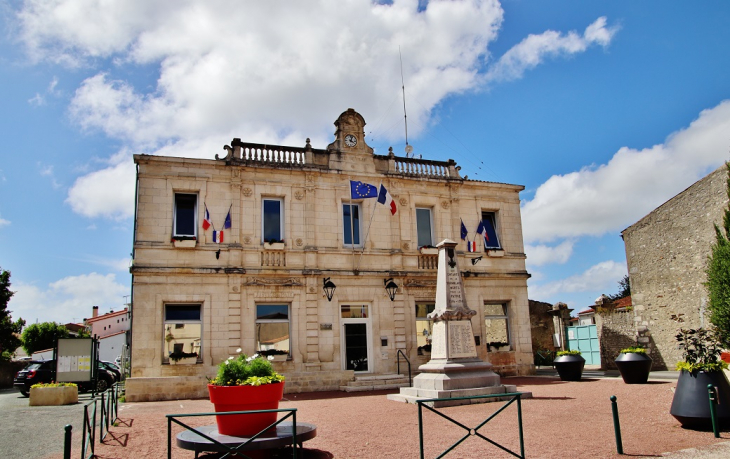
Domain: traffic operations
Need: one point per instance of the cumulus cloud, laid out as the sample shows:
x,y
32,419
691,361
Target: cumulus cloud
x,y
4,222
600,277
612,196
534,49
68,299
538,255
107,192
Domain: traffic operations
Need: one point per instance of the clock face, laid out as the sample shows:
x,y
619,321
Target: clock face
x,y
350,140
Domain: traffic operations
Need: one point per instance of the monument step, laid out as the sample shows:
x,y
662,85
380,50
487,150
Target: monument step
x,y
383,376
372,387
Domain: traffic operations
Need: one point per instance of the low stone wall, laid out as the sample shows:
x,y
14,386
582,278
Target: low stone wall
x,y
616,330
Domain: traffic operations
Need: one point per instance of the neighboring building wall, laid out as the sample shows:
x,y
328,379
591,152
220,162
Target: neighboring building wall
x,y
542,327
616,330
230,279
109,324
110,347
666,253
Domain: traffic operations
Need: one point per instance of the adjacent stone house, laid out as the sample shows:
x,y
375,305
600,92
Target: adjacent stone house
x,y
666,254
279,250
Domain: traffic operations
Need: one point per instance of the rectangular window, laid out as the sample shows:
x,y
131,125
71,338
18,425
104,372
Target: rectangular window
x,y
272,329
423,227
496,326
351,224
272,220
183,331
186,213
354,312
489,220
424,327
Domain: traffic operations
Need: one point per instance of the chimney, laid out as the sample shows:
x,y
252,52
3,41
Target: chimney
x,y
94,311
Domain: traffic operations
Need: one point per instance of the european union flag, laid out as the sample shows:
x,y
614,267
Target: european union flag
x,y
464,232
360,190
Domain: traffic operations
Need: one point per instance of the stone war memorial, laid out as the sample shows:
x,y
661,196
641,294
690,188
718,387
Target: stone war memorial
x,y
454,370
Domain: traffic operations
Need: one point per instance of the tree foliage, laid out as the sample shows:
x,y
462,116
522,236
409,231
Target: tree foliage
x,y
718,276
624,289
9,342
42,336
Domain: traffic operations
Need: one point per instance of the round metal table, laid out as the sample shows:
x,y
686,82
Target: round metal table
x,y
189,440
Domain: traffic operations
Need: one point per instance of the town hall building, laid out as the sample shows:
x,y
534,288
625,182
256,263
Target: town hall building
x,y
324,259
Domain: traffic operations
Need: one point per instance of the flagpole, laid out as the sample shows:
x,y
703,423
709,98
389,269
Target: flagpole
x,y
368,230
352,231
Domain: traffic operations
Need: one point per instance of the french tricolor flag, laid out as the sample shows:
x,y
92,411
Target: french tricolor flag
x,y
471,246
217,237
206,219
386,199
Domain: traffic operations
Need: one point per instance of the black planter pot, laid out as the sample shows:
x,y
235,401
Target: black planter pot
x,y
634,367
570,367
691,405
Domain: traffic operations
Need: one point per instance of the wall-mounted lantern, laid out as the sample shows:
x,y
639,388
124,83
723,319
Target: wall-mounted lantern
x,y
329,288
390,287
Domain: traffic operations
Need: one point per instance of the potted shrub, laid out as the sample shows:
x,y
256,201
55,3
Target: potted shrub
x,y
53,394
245,384
276,354
569,365
183,358
700,367
634,365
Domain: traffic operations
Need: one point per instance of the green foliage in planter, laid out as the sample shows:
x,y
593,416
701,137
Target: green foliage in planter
x,y
633,350
571,352
177,356
246,371
53,384
269,352
700,350
718,276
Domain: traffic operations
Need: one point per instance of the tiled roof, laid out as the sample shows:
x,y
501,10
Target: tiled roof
x,y
106,316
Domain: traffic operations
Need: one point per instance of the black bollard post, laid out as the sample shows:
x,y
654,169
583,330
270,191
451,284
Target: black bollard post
x,y
712,392
67,442
616,426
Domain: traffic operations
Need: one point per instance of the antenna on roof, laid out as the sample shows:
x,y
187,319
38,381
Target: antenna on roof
x,y
409,149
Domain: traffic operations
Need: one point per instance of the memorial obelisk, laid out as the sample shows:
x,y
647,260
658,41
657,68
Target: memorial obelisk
x,y
454,369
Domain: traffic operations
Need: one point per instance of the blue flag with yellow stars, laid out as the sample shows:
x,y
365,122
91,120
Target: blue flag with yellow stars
x,y
360,190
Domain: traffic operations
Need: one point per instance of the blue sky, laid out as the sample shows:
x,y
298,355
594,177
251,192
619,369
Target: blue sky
x,y
603,110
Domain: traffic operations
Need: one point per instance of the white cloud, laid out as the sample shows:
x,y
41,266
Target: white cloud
x,y
535,48
66,300
107,192
37,100
47,171
4,222
538,255
610,197
600,277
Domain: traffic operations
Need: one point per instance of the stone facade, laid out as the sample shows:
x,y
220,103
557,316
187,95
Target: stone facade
x,y
666,254
616,330
228,282
542,327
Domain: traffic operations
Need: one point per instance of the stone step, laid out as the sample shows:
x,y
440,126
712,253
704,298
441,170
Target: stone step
x,y
378,377
378,382
373,387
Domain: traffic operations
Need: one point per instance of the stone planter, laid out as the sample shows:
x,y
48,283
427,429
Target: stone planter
x,y
570,367
634,367
53,396
274,246
245,398
691,405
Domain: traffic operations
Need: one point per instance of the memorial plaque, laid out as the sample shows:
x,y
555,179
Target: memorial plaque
x,y
438,344
461,339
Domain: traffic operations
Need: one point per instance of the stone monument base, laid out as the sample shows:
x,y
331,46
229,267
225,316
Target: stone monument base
x,y
441,378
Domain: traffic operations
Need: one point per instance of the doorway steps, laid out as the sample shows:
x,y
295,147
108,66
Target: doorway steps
x,y
363,383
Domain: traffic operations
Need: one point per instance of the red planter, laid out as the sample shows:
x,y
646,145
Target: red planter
x,y
245,398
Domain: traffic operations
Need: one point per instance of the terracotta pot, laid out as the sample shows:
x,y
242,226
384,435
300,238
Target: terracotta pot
x,y
634,367
691,402
570,367
245,398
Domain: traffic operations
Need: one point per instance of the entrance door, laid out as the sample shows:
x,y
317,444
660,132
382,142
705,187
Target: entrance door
x,y
585,339
356,341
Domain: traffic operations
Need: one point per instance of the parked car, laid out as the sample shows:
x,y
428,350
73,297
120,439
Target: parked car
x,y
113,368
45,371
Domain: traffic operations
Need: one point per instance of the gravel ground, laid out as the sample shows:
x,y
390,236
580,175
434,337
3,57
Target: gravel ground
x,y
564,419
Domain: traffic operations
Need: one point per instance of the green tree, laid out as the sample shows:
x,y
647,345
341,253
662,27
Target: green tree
x,y
624,289
9,340
38,337
718,276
